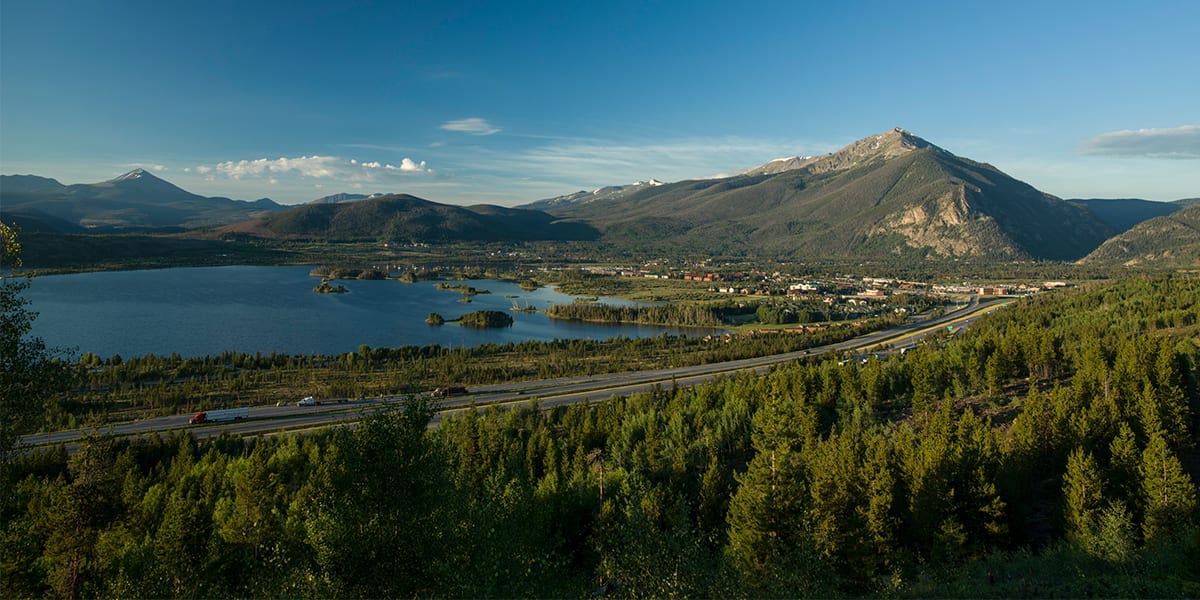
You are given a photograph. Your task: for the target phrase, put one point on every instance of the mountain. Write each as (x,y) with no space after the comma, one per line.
(133,201)
(1123,213)
(584,197)
(1168,241)
(405,218)
(892,194)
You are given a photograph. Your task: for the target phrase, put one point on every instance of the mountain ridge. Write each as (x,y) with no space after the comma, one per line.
(1122,214)
(1172,240)
(884,195)
(409,219)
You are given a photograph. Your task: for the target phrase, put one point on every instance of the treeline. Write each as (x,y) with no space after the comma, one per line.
(673,314)
(1047,451)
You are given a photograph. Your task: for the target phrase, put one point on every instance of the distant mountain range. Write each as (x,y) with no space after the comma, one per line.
(892,194)
(887,195)
(584,197)
(134,201)
(405,218)
(139,201)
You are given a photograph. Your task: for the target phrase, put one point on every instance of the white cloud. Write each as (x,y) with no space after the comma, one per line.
(473,126)
(308,166)
(337,172)
(1181,142)
(409,166)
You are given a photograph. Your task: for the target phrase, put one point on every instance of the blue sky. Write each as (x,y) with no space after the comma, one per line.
(511,102)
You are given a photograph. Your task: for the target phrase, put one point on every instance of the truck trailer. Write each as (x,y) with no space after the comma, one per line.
(213,416)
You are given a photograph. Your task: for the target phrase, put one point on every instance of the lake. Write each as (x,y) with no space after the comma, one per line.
(208,310)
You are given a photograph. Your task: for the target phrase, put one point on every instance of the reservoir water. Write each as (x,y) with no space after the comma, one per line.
(208,310)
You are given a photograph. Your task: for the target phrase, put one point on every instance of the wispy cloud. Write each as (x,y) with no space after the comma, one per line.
(407,165)
(473,126)
(153,167)
(584,162)
(1181,142)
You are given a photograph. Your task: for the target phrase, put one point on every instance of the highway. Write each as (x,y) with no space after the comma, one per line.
(549,392)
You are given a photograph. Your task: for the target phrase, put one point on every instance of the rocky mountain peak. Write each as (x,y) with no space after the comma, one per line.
(132,175)
(889,144)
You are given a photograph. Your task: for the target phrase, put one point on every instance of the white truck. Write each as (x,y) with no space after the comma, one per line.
(312,401)
(213,416)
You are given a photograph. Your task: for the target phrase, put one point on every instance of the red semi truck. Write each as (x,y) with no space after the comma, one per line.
(213,416)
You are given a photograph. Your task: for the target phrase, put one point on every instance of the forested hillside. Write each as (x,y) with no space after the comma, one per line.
(1050,450)
(405,218)
(1169,241)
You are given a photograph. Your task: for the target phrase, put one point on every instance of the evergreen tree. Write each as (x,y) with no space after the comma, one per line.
(1083,496)
(766,512)
(1168,494)
(1124,460)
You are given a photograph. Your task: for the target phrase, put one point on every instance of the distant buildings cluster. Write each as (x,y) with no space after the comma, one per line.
(841,288)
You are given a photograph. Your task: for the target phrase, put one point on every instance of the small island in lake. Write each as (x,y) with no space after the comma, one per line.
(347,273)
(325,288)
(485,318)
(435,319)
(466,290)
